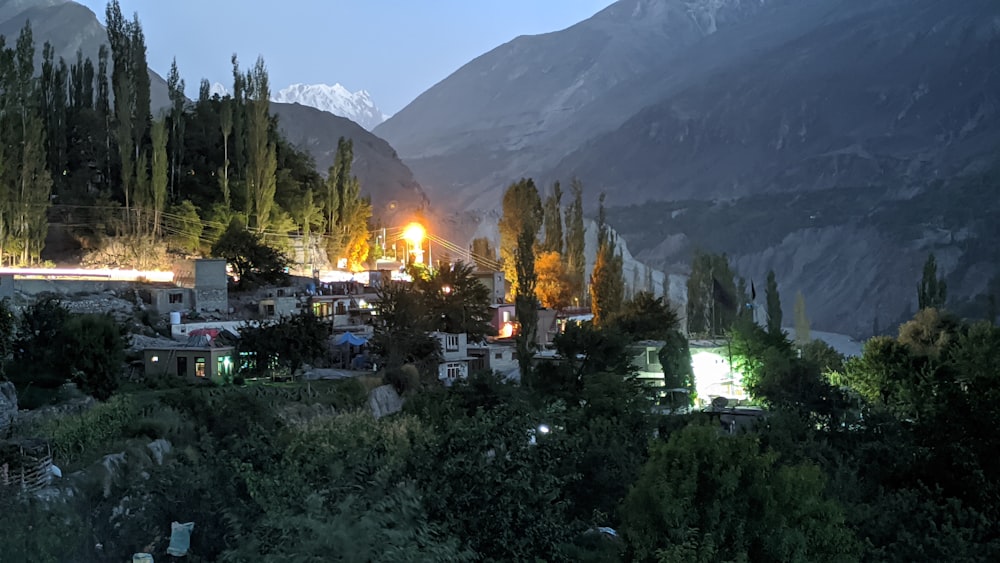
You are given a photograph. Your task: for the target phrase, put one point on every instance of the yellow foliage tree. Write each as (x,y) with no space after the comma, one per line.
(554,286)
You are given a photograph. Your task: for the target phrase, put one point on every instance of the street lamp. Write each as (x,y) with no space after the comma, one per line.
(414,234)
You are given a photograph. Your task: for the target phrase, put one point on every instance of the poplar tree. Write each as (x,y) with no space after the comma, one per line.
(607,287)
(773,305)
(932,291)
(347,213)
(522,212)
(802,336)
(175,91)
(239,119)
(525,302)
(553,221)
(226,124)
(263,163)
(124,92)
(158,173)
(575,239)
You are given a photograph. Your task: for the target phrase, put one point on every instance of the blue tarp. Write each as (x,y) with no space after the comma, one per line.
(350,338)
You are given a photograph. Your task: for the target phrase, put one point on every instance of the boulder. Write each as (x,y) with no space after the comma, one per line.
(8,407)
(384,401)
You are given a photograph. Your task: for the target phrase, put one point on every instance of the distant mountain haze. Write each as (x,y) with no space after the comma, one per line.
(835,141)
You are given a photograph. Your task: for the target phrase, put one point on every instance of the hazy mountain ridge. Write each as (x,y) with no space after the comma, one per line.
(725,101)
(356,106)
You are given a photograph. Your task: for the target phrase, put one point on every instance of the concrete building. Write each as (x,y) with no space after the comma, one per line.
(209,362)
(495,282)
(277,305)
(211,285)
(455,356)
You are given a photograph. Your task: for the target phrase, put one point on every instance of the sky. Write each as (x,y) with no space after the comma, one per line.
(394,49)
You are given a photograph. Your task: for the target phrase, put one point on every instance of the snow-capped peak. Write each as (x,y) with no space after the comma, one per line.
(218,88)
(356,106)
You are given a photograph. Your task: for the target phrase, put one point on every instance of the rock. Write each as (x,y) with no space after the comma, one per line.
(384,401)
(8,407)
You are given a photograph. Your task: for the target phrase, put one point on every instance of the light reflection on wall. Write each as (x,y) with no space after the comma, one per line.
(89,274)
(714,378)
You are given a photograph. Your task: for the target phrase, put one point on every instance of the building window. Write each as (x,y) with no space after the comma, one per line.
(269,310)
(225,366)
(498,356)
(451,342)
(199,367)
(154,359)
(176,298)
(341,308)
(652,357)
(454,371)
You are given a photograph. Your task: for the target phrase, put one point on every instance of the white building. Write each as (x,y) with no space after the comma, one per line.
(455,356)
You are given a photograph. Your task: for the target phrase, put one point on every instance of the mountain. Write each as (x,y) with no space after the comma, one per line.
(834,141)
(218,89)
(383,176)
(356,106)
(69,27)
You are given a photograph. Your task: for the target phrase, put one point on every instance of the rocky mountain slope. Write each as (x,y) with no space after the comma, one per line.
(383,176)
(834,141)
(69,27)
(356,106)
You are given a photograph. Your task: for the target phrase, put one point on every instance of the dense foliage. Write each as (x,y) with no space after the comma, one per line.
(81,145)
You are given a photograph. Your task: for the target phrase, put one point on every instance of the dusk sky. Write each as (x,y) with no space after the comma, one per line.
(395,49)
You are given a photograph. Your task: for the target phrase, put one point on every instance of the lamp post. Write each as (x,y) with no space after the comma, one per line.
(414,234)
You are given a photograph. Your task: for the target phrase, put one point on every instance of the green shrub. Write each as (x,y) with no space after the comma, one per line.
(74,437)
(404,379)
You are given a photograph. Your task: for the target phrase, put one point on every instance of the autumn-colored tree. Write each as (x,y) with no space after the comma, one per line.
(522,213)
(553,288)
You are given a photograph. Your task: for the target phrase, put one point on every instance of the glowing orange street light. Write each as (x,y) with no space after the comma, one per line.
(414,234)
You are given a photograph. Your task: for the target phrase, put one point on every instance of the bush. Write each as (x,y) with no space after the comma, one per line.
(94,430)
(404,379)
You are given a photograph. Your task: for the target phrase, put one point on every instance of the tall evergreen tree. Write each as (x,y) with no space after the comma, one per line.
(175,91)
(158,173)
(932,291)
(239,119)
(607,286)
(261,180)
(713,298)
(226,124)
(483,254)
(553,221)
(802,336)
(525,303)
(347,213)
(773,305)
(522,211)
(575,240)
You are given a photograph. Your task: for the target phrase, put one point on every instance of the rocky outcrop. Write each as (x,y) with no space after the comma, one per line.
(8,407)
(384,401)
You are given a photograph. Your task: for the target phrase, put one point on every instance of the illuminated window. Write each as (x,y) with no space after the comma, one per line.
(225,366)
(199,367)
(154,359)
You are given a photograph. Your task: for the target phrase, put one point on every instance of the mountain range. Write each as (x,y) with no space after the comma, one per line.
(356,106)
(835,142)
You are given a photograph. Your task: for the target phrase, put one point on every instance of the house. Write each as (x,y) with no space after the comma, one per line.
(205,361)
(277,305)
(495,283)
(455,356)
(503,321)
(199,285)
(714,375)
(344,310)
